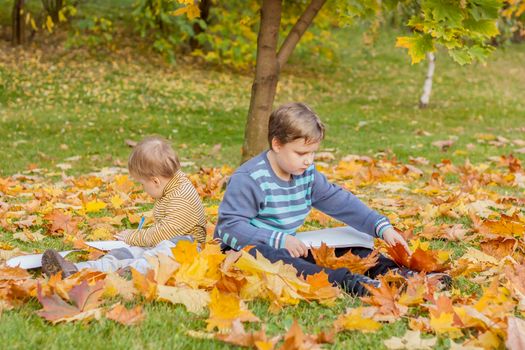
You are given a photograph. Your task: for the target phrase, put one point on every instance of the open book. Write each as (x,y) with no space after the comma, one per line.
(337,237)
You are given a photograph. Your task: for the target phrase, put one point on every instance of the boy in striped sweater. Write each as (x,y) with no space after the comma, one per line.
(269,197)
(178,214)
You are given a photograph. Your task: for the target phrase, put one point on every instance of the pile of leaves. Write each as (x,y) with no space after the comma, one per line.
(466,220)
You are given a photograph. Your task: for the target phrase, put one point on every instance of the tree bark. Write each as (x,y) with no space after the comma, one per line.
(17,23)
(298,30)
(204,7)
(267,68)
(265,82)
(427,86)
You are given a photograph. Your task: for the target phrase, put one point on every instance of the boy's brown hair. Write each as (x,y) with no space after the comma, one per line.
(152,157)
(293,121)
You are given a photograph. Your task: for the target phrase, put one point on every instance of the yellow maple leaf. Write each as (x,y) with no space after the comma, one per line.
(123,183)
(443,325)
(195,300)
(198,269)
(225,308)
(101,234)
(94,206)
(117,201)
(185,252)
(354,320)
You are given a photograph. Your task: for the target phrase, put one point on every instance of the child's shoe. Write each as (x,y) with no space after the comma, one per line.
(354,284)
(53,263)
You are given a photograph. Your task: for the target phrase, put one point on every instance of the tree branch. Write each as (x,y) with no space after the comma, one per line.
(298,30)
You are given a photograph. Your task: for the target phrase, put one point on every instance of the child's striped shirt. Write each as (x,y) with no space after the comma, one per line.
(178,212)
(259,207)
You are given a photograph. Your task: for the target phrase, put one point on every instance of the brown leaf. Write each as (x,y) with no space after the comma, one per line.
(238,336)
(295,339)
(85,301)
(444,144)
(127,317)
(131,143)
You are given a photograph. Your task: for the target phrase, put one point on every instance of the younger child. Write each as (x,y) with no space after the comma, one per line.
(269,197)
(178,213)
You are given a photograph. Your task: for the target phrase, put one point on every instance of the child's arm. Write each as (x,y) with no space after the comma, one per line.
(346,207)
(182,216)
(240,204)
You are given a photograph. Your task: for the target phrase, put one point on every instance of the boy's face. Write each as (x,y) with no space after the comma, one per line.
(153,186)
(294,157)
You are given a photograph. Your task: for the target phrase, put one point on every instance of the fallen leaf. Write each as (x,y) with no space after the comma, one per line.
(411,340)
(127,317)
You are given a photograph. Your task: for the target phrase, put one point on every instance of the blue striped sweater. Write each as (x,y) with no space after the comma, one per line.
(259,207)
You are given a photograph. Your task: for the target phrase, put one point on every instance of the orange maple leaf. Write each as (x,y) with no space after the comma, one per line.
(420,260)
(499,246)
(325,256)
(296,339)
(386,298)
(62,223)
(505,226)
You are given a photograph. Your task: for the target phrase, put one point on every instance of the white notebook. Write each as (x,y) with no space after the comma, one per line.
(337,237)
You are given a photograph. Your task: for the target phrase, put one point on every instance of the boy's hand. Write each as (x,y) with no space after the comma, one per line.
(123,235)
(295,246)
(391,237)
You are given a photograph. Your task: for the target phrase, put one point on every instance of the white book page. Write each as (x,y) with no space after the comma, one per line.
(337,237)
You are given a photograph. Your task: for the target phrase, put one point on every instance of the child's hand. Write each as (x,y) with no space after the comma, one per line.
(391,237)
(295,246)
(123,235)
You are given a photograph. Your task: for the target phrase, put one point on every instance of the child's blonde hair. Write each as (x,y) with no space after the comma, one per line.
(151,157)
(293,121)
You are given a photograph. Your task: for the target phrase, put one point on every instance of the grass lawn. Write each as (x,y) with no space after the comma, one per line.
(56,107)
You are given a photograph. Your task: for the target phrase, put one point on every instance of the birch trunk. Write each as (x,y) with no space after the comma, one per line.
(427,86)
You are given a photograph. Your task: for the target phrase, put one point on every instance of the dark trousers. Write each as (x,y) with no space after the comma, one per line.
(306,265)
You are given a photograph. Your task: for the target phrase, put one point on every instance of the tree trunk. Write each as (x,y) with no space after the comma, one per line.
(427,86)
(265,83)
(52,8)
(204,7)
(267,69)
(17,23)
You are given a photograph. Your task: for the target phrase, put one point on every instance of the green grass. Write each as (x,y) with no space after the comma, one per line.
(56,108)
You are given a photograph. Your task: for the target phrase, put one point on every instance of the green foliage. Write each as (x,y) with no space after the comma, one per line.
(462,27)
(230,37)
(160,21)
(91,32)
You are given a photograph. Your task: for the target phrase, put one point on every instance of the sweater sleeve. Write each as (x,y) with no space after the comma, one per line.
(179,221)
(346,207)
(241,203)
